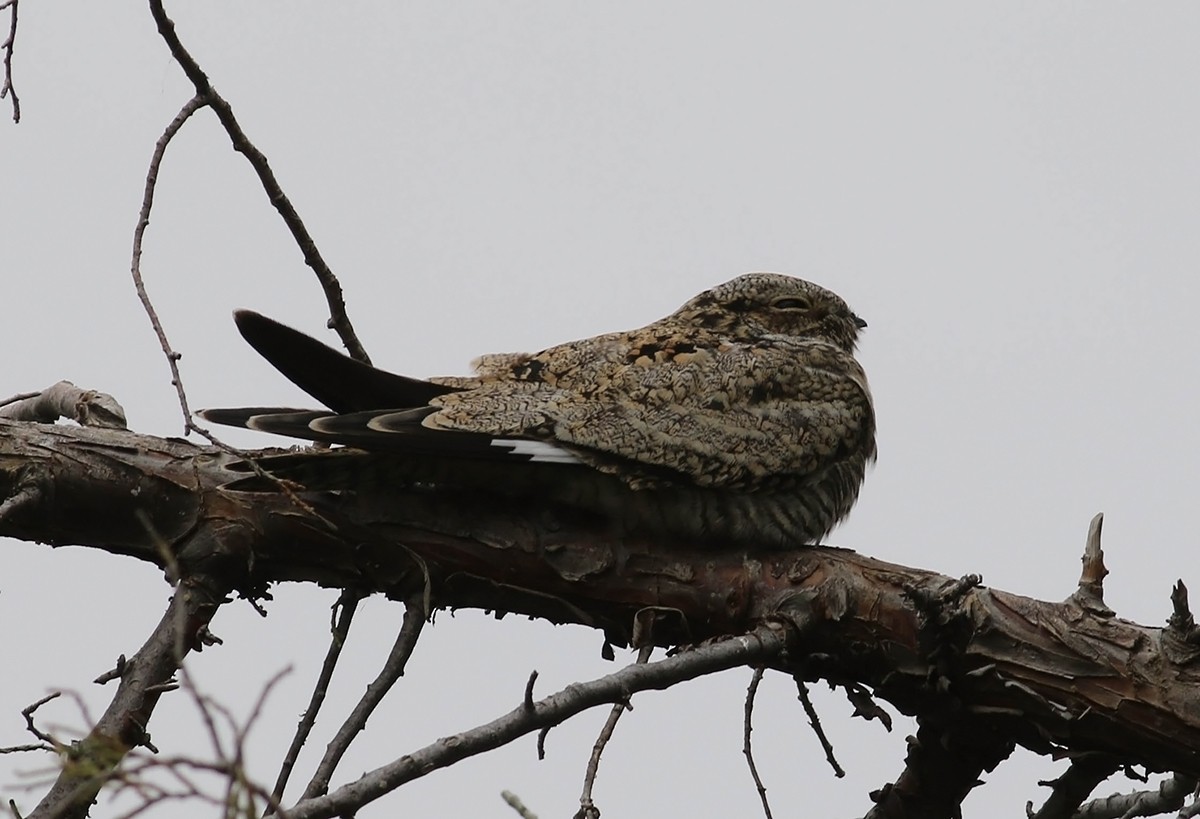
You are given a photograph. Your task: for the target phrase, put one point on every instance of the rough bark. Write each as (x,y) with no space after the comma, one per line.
(1053,677)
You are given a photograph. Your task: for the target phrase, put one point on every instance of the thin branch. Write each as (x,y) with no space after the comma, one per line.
(533,675)
(587,808)
(759,646)
(516,804)
(339,320)
(815,722)
(347,604)
(393,669)
(10,42)
(160,148)
(747,750)
(28,711)
(20,749)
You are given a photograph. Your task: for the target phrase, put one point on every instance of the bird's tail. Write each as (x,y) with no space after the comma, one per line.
(336,380)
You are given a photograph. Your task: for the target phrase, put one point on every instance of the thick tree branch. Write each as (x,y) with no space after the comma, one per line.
(944,762)
(1075,785)
(1050,676)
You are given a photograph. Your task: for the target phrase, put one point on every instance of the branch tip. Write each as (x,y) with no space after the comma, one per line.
(528,703)
(815,722)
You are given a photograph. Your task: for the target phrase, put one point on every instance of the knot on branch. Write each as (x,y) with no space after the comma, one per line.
(1181,638)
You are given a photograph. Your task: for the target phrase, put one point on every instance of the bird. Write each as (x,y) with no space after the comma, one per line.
(742,418)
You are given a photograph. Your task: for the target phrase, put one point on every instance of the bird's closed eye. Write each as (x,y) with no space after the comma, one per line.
(791,303)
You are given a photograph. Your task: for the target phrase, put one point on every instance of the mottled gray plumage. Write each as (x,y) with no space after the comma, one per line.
(742,417)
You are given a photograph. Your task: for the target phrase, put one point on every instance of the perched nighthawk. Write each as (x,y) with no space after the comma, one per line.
(741,418)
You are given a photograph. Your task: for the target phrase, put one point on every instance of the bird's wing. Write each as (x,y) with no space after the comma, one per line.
(357,395)
(729,415)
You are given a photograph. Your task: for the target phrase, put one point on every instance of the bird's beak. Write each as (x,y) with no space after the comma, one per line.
(859,323)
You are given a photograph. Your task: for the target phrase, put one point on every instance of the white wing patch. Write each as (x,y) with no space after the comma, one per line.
(539,451)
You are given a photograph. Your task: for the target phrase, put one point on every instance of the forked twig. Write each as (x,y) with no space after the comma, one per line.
(393,669)
(587,808)
(339,320)
(347,604)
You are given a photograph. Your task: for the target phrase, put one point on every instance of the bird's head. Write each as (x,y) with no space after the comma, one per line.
(757,304)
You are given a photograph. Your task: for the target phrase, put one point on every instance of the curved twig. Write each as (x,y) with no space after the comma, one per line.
(338,320)
(135,268)
(747,749)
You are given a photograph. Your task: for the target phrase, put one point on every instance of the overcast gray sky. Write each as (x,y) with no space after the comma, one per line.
(1008,193)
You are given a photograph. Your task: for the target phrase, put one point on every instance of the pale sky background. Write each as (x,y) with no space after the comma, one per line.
(1008,193)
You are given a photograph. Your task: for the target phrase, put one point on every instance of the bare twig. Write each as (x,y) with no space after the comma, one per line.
(516,804)
(747,750)
(20,749)
(533,675)
(1075,785)
(587,808)
(113,673)
(28,712)
(815,722)
(160,148)
(339,320)
(346,604)
(393,669)
(758,646)
(239,795)
(7,88)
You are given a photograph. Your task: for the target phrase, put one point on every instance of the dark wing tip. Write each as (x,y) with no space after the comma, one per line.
(333,378)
